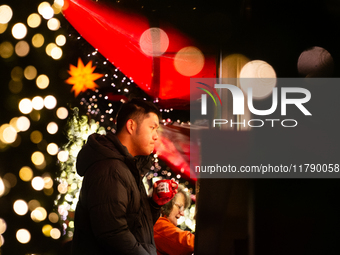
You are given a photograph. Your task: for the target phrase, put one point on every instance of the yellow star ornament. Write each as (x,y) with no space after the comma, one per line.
(82,77)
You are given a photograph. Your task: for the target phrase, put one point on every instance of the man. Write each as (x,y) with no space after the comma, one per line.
(114,214)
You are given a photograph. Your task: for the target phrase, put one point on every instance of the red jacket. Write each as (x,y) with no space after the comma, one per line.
(172,240)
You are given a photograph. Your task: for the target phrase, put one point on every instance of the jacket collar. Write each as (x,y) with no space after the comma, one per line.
(138,165)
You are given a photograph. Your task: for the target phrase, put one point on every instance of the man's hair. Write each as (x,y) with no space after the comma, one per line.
(167,208)
(134,109)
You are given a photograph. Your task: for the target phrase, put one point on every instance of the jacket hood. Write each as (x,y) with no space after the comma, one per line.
(101,147)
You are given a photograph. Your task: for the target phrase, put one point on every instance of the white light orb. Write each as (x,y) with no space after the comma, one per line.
(23,123)
(6,14)
(260,76)
(55,233)
(50,102)
(37,103)
(60,40)
(20,207)
(19,31)
(62,113)
(154,42)
(25,106)
(52,128)
(23,236)
(45,10)
(52,149)
(42,81)
(38,183)
(63,156)
(3,226)
(53,24)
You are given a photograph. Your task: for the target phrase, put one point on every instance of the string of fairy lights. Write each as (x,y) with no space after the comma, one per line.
(36,124)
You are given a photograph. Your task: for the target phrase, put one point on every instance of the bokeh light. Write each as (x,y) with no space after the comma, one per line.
(32,204)
(26,174)
(46,229)
(50,102)
(37,103)
(264,78)
(154,42)
(48,192)
(34,20)
(3,27)
(23,236)
(38,183)
(56,8)
(15,86)
(11,179)
(6,14)
(52,149)
(30,72)
(62,113)
(13,123)
(48,181)
(45,10)
(3,226)
(6,49)
(35,115)
(62,188)
(17,73)
(25,105)
(42,81)
(41,166)
(53,24)
(2,187)
(59,3)
(52,128)
(53,217)
(36,137)
(315,62)
(49,48)
(23,123)
(38,214)
(37,158)
(55,233)
(38,40)
(189,61)
(232,65)
(63,156)
(22,49)
(19,31)
(8,134)
(56,53)
(20,207)
(60,40)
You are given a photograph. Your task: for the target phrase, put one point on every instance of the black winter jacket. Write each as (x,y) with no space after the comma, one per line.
(114,214)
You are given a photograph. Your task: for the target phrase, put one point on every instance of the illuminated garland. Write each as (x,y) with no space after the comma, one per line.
(78,130)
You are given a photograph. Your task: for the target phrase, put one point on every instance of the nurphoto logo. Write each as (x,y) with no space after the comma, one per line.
(239,103)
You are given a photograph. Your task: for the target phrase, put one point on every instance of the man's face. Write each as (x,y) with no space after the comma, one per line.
(145,136)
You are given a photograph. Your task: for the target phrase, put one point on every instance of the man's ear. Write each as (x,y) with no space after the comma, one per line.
(130,126)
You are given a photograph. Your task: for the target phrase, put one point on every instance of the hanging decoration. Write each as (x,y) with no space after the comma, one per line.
(160,60)
(82,77)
